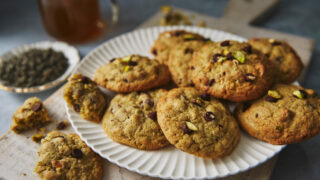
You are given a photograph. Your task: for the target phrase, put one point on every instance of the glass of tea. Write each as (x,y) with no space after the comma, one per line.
(75,21)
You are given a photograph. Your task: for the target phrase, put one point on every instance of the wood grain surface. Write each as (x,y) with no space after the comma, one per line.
(18,154)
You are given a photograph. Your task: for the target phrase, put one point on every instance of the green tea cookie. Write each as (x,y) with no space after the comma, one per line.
(287,63)
(231,70)
(32,114)
(66,156)
(286,114)
(85,97)
(132,73)
(197,124)
(170,39)
(179,62)
(131,119)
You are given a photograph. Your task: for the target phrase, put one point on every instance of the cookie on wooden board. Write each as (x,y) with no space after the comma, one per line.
(66,156)
(32,114)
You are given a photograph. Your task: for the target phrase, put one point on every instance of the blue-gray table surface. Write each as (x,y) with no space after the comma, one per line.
(20,23)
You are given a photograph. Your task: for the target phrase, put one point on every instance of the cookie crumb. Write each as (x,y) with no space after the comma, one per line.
(23,174)
(41,130)
(62,125)
(172,17)
(37,137)
(202,24)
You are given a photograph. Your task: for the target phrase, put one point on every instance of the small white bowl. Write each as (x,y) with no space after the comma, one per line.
(70,52)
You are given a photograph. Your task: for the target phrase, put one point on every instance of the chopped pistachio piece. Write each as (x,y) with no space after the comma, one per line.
(191,126)
(225,52)
(188,36)
(126,68)
(238,55)
(272,40)
(299,94)
(126,59)
(274,94)
(221,59)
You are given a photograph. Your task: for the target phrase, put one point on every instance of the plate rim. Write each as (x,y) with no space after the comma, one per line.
(161,29)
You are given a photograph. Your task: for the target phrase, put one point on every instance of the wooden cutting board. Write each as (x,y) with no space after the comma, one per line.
(18,154)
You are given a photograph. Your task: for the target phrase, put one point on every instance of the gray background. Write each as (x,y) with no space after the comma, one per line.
(20,23)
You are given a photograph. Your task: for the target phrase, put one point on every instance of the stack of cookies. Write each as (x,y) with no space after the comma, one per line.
(194,116)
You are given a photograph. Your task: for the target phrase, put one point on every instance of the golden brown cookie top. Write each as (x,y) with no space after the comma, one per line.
(286,114)
(131,119)
(286,61)
(66,156)
(231,70)
(85,97)
(132,73)
(169,39)
(197,123)
(179,62)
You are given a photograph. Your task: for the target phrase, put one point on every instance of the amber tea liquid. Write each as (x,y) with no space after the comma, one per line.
(73,21)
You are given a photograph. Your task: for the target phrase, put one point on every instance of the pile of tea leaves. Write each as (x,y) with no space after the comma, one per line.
(32,68)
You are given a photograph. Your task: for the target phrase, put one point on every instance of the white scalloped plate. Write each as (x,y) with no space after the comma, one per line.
(169,163)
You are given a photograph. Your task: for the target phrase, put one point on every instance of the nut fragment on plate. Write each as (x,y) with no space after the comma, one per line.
(31,115)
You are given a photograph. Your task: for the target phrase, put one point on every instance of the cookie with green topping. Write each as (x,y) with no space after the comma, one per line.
(286,114)
(131,119)
(231,70)
(170,39)
(197,123)
(287,63)
(132,73)
(66,156)
(84,96)
(179,62)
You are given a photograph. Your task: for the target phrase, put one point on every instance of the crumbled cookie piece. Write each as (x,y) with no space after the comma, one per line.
(85,97)
(31,115)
